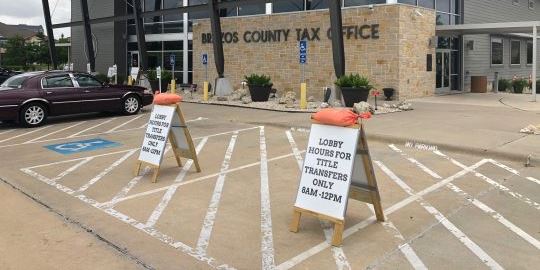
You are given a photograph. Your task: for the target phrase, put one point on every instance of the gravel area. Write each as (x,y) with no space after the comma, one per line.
(271,104)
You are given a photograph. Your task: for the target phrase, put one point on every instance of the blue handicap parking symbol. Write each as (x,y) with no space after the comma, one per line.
(81,146)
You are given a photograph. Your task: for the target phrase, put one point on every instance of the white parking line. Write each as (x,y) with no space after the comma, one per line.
(72,168)
(473,247)
(267,238)
(84,135)
(54,132)
(405,248)
(26,133)
(339,255)
(202,178)
(7,131)
(486,209)
(106,171)
(92,127)
(210,217)
(490,181)
(372,220)
(212,262)
(125,123)
(125,190)
(172,189)
(496,163)
(416,162)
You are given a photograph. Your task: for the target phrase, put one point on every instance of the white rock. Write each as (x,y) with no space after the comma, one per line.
(246,100)
(362,107)
(324,105)
(311,99)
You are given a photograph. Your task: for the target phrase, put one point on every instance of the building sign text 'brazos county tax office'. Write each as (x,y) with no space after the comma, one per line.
(366,31)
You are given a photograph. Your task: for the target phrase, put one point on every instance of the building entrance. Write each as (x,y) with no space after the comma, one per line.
(442,66)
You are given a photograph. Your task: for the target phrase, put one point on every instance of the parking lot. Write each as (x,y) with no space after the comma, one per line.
(444,210)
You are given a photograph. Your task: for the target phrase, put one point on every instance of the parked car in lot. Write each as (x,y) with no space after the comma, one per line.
(29,98)
(6,73)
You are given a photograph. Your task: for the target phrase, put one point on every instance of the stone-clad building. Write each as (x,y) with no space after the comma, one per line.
(393,42)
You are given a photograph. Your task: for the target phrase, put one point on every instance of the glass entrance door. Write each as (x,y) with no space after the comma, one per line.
(134,59)
(442,82)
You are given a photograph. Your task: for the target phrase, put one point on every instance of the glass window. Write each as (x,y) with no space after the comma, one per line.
(410,2)
(427,3)
(16,81)
(168,4)
(154,59)
(515,52)
(153,46)
(87,81)
(173,45)
(443,42)
(529,53)
(349,3)
(178,61)
(317,4)
(57,81)
(173,27)
(287,6)
(252,9)
(443,19)
(443,5)
(228,12)
(497,51)
(151,5)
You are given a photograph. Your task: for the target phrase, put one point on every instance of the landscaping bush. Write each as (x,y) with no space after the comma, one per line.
(354,81)
(519,85)
(259,80)
(504,85)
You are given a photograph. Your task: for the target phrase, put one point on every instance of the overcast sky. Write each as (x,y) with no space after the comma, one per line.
(31,12)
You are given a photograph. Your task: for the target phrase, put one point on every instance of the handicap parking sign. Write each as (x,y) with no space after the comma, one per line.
(204,59)
(81,146)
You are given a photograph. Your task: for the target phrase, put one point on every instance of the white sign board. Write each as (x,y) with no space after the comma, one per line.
(158,72)
(326,173)
(155,137)
(111,72)
(88,68)
(134,72)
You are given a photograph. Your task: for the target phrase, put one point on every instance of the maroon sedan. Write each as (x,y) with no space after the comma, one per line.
(30,98)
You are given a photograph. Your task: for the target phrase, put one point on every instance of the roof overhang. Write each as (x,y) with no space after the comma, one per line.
(487,28)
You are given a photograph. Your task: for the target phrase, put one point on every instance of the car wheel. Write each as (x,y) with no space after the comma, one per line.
(131,105)
(33,115)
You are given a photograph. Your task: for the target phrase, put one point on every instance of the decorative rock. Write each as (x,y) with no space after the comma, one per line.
(238,94)
(311,99)
(312,105)
(289,104)
(282,100)
(363,107)
(324,105)
(337,104)
(246,100)
(222,98)
(290,95)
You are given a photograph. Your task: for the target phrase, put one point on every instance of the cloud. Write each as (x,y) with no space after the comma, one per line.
(31,12)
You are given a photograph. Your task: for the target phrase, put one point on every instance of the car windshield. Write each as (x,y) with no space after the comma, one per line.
(16,81)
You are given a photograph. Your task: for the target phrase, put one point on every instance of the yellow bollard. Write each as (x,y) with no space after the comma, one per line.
(130,80)
(205,91)
(173,86)
(303,98)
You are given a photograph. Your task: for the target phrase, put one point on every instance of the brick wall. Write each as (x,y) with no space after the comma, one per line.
(397,58)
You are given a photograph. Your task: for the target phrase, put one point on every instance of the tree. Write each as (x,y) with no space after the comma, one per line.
(16,52)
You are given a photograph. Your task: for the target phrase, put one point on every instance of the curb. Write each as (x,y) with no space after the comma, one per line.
(476,151)
(247,107)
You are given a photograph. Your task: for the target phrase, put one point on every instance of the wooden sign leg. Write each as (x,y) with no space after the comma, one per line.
(377,206)
(137,168)
(196,162)
(337,238)
(295,223)
(155,175)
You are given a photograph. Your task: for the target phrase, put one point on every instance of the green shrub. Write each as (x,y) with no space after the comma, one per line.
(355,81)
(259,80)
(519,85)
(166,76)
(504,85)
(152,75)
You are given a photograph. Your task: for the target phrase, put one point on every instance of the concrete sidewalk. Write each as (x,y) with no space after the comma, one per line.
(33,237)
(469,123)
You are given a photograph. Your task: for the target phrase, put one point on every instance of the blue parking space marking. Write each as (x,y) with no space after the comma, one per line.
(81,146)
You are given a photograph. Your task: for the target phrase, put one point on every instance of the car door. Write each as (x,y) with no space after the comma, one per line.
(96,96)
(61,93)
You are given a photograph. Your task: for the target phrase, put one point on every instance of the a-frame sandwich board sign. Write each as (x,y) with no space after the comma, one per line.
(337,166)
(166,123)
